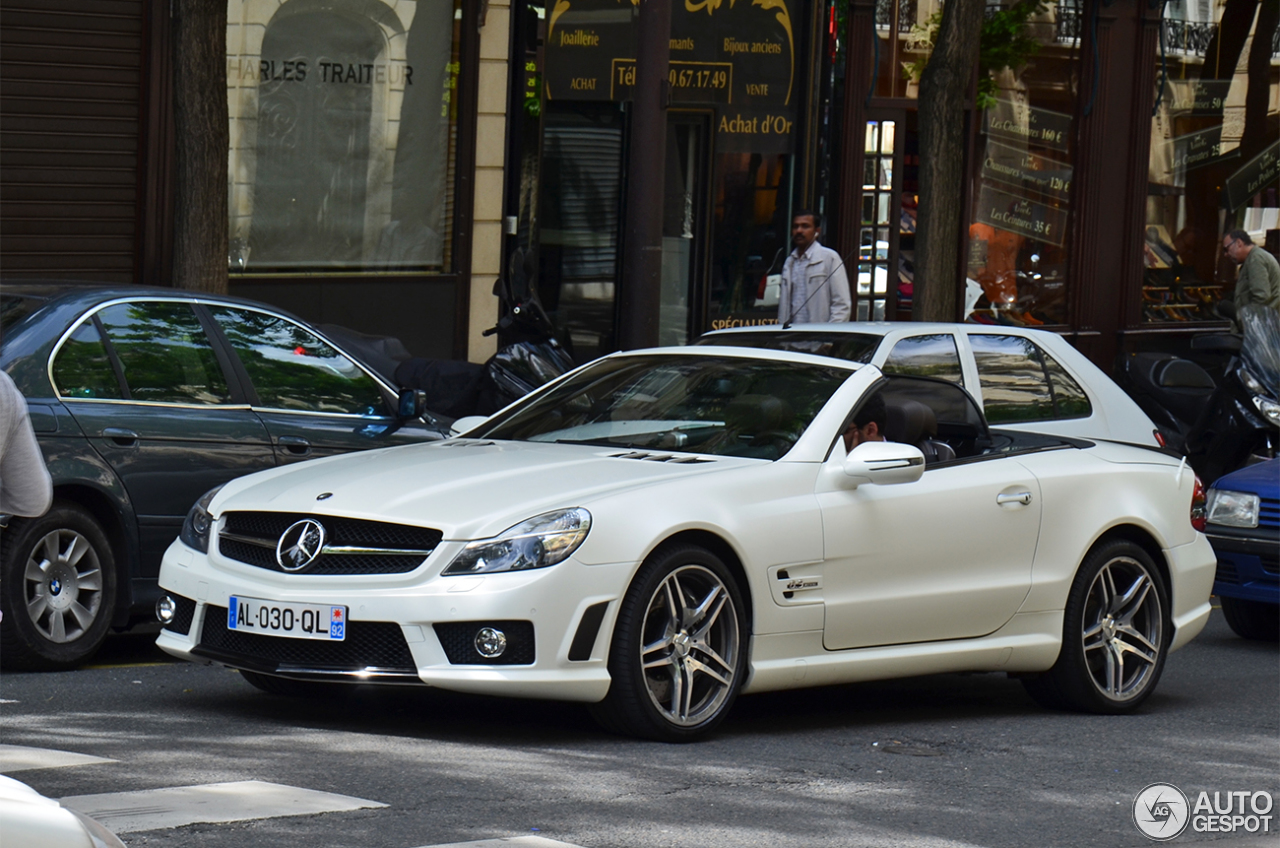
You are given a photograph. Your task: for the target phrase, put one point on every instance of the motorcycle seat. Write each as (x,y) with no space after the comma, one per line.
(1182,374)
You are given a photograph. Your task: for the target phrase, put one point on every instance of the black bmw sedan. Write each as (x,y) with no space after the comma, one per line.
(143,400)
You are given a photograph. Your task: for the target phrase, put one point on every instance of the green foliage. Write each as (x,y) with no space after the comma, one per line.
(1004,43)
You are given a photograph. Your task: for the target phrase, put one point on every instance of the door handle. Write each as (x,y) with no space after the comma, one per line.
(1023,498)
(295,445)
(123,437)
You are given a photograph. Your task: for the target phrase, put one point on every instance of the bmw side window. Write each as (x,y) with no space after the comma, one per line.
(164,353)
(83,369)
(1014,384)
(1069,399)
(926,356)
(293,369)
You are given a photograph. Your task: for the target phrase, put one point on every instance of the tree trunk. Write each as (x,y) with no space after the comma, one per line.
(203,139)
(944,88)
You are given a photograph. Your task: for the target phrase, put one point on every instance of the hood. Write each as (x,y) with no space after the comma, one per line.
(466,488)
(1262,479)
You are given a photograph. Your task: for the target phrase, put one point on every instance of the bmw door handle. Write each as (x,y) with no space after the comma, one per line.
(295,445)
(121,436)
(1007,498)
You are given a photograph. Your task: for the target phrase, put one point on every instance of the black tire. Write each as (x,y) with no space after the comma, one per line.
(287,688)
(57,587)
(698,650)
(1252,619)
(1116,633)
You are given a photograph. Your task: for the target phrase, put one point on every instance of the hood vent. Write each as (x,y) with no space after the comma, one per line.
(682,459)
(467,443)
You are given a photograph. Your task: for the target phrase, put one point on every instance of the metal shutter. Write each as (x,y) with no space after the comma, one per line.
(70,103)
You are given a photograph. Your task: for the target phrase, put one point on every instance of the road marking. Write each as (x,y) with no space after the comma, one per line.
(21,758)
(518,841)
(153,809)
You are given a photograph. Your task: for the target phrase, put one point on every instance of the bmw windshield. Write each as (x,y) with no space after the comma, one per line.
(716,405)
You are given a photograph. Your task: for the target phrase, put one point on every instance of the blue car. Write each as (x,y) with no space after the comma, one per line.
(1243,525)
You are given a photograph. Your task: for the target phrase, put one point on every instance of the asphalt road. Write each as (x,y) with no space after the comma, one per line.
(943,762)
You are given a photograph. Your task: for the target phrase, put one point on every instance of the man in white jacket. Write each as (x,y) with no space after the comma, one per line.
(814,288)
(25,487)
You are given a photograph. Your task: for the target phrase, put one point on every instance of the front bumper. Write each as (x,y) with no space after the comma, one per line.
(1248,563)
(405,628)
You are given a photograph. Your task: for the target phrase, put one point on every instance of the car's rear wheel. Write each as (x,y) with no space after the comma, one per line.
(1252,619)
(679,648)
(58,584)
(287,688)
(1116,633)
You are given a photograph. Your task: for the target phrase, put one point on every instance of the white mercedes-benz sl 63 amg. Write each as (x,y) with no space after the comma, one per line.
(660,531)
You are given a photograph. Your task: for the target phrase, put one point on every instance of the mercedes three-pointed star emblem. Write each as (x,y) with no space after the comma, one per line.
(300,545)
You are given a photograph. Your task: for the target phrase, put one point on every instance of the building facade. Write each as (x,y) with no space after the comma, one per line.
(388,158)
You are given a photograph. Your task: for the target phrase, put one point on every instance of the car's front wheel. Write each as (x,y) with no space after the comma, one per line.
(1252,619)
(679,648)
(1116,634)
(58,584)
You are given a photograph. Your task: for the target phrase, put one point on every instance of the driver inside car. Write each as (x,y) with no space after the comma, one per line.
(868,423)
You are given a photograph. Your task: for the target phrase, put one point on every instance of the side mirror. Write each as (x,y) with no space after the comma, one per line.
(884,463)
(469,422)
(412,404)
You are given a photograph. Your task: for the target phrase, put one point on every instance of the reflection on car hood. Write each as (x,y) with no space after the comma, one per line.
(466,488)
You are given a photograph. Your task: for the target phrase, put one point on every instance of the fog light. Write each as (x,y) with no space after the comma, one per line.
(490,643)
(166,608)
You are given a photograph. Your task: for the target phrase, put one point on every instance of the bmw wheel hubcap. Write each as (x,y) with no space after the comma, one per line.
(689,653)
(1123,629)
(63,586)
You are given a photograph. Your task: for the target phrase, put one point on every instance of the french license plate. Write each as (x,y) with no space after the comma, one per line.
(294,621)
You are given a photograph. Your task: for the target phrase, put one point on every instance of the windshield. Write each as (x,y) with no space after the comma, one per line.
(1261,346)
(719,405)
(852,347)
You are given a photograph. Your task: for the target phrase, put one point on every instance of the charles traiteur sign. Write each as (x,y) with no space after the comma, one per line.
(738,56)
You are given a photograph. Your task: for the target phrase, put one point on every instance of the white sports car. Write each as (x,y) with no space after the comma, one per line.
(659,531)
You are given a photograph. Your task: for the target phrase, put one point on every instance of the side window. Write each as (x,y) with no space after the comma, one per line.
(82,369)
(1014,385)
(164,352)
(292,368)
(926,356)
(1069,399)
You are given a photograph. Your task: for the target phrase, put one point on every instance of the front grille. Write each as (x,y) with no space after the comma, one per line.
(183,613)
(1269,512)
(261,531)
(369,645)
(458,640)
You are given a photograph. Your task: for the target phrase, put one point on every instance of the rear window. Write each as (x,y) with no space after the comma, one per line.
(851,347)
(15,307)
(1020,382)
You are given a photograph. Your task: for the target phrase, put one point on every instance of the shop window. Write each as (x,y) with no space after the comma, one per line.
(343,118)
(164,353)
(1214,152)
(1018,230)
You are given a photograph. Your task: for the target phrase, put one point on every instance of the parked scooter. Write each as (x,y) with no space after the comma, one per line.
(1219,425)
(532,358)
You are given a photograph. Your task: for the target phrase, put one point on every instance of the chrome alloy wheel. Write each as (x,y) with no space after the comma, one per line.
(1123,629)
(689,645)
(63,585)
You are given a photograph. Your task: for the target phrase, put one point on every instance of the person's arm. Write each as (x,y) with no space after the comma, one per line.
(25,486)
(841,300)
(784,292)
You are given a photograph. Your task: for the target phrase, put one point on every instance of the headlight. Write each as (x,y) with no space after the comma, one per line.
(537,543)
(1269,409)
(1250,382)
(195,527)
(1233,509)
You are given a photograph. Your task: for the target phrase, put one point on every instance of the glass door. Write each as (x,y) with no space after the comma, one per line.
(684,221)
